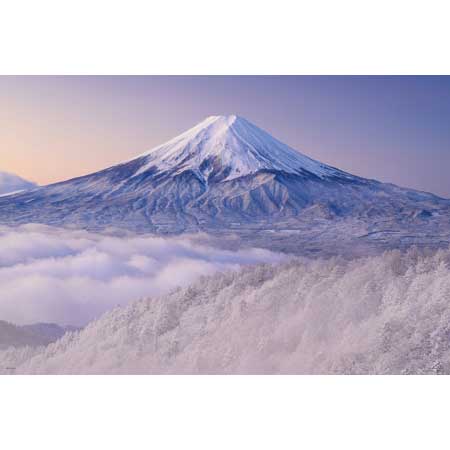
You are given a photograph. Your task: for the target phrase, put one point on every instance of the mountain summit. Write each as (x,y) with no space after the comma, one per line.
(229,147)
(226,174)
(10,183)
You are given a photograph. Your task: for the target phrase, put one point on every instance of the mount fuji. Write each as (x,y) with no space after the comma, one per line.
(226,174)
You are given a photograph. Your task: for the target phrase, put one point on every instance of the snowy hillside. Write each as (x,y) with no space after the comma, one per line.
(384,314)
(10,183)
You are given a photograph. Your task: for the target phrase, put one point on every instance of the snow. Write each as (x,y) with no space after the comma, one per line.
(13,184)
(12,193)
(241,146)
(384,314)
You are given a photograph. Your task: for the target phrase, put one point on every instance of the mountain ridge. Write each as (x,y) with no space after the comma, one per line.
(32,335)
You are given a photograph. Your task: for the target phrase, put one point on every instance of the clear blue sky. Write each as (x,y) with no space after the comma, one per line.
(394,129)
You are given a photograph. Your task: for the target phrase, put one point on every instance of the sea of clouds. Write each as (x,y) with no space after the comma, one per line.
(71,277)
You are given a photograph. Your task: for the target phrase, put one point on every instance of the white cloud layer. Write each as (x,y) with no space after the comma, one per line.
(71,277)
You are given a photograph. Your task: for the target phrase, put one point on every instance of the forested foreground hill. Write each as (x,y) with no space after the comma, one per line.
(374,315)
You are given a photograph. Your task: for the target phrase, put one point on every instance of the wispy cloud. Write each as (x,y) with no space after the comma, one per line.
(71,277)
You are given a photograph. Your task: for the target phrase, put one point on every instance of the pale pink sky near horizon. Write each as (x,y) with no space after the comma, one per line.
(390,128)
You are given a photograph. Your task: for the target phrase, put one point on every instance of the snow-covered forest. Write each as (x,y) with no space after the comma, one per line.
(379,314)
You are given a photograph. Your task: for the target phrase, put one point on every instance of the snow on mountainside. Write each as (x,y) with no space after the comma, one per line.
(226,175)
(233,145)
(387,314)
(10,183)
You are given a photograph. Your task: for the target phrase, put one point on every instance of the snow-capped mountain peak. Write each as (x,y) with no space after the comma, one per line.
(225,174)
(231,145)
(10,183)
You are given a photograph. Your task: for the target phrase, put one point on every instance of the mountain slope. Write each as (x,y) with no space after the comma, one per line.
(224,174)
(10,183)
